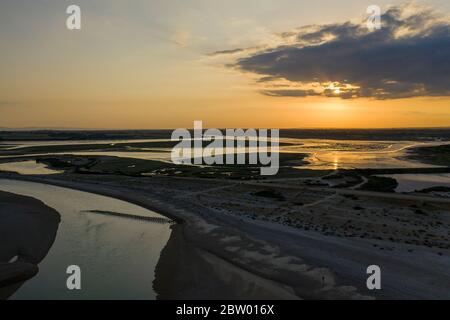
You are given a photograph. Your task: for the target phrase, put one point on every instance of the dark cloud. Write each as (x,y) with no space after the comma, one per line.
(235,51)
(268,79)
(289,93)
(408,57)
(232,51)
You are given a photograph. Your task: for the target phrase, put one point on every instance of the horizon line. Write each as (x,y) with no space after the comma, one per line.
(206,128)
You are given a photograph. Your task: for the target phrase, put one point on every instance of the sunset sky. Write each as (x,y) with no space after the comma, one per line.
(147,64)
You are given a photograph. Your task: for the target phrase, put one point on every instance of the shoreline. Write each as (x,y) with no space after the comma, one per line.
(179,241)
(28,230)
(193,235)
(221,256)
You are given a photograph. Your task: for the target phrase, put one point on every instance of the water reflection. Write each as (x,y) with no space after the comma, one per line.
(117,256)
(336,163)
(322,153)
(417,182)
(27,232)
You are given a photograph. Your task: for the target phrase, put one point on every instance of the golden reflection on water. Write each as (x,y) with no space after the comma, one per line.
(336,162)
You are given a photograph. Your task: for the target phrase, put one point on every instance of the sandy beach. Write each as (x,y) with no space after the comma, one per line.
(218,252)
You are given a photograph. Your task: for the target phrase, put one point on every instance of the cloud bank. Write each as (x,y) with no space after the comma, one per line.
(408,57)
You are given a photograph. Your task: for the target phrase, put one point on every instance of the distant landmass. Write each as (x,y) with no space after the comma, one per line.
(413,134)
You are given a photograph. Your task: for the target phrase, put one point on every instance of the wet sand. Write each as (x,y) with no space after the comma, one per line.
(219,252)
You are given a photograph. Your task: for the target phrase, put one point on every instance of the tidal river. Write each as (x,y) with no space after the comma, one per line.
(117,254)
